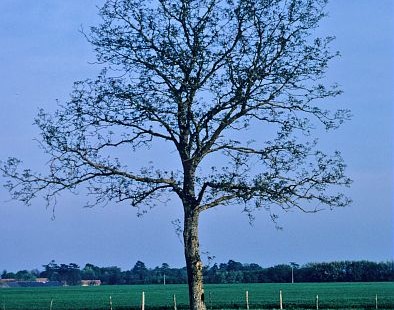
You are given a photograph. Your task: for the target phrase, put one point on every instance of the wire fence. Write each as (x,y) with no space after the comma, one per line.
(319,297)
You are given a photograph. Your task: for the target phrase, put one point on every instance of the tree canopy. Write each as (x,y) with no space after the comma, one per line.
(193,74)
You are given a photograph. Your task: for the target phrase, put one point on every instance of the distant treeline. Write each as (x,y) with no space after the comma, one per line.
(230,272)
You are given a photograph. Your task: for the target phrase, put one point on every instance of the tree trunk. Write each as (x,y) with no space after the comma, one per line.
(193,261)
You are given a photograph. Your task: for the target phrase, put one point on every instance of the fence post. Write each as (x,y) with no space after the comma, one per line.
(280,300)
(376,301)
(210,299)
(50,306)
(175,308)
(110,302)
(247,299)
(143,301)
(317,302)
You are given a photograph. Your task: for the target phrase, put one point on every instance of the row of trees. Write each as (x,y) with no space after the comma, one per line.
(230,272)
(343,271)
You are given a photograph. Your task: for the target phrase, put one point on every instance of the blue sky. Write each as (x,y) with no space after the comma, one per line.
(42,53)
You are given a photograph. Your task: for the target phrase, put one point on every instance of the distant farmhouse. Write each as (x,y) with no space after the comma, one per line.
(39,282)
(42,282)
(90,282)
(5,281)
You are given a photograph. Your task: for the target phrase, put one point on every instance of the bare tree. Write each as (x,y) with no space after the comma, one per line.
(200,76)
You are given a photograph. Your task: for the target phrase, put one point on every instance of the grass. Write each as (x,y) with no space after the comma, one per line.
(261,296)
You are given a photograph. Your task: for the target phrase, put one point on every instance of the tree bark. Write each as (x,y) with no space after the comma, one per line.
(193,261)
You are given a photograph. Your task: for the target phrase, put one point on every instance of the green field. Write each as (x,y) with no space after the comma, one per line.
(261,296)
